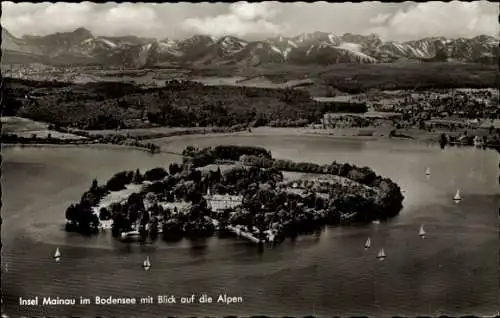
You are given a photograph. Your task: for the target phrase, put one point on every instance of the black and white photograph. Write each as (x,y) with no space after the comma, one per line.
(250,159)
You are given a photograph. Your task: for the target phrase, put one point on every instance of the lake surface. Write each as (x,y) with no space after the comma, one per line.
(453,271)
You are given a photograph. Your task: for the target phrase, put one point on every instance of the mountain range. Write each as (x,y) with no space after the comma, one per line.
(81,47)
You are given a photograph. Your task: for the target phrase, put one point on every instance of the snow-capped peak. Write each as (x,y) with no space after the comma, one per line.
(275,49)
(355,50)
(332,38)
(351,46)
(107,42)
(313,48)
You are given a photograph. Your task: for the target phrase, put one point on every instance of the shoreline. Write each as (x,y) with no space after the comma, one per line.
(376,134)
(380,134)
(382,195)
(104,146)
(258,132)
(89,145)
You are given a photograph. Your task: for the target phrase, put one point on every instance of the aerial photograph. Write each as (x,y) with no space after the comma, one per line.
(250,159)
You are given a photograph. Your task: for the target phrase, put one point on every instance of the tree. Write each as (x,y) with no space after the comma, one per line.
(94,187)
(71,213)
(145,217)
(174,169)
(166,107)
(143,233)
(119,180)
(137,177)
(104,214)
(94,222)
(153,233)
(195,175)
(155,174)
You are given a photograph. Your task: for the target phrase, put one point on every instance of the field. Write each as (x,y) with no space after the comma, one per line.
(17,125)
(24,127)
(361,77)
(401,75)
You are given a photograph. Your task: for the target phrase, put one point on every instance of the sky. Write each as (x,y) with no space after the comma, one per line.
(392,21)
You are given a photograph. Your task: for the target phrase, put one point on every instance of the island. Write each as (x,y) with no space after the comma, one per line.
(233,190)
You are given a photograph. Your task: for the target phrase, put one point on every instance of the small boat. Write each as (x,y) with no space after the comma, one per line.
(421,232)
(457,196)
(57,255)
(428,172)
(381,255)
(147,264)
(368,243)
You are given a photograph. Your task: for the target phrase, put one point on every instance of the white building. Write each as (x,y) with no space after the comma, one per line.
(219,203)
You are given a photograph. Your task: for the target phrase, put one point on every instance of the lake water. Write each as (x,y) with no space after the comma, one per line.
(453,271)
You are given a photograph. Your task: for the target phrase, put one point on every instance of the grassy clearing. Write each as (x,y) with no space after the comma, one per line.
(24,127)
(19,125)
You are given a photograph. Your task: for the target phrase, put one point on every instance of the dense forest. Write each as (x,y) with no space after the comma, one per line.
(110,105)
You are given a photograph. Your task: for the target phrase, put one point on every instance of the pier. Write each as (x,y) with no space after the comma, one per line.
(238,231)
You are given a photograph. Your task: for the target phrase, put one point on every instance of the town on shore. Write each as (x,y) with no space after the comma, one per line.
(133,115)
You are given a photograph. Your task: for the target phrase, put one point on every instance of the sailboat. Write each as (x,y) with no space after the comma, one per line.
(368,243)
(421,232)
(381,255)
(57,255)
(457,196)
(147,264)
(428,172)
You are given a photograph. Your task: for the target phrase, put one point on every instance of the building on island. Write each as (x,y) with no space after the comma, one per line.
(220,203)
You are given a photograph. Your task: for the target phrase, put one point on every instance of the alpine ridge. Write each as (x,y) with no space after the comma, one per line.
(81,47)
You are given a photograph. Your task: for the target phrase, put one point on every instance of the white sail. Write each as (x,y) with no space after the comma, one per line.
(381,254)
(428,172)
(57,254)
(421,232)
(368,243)
(147,263)
(457,196)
